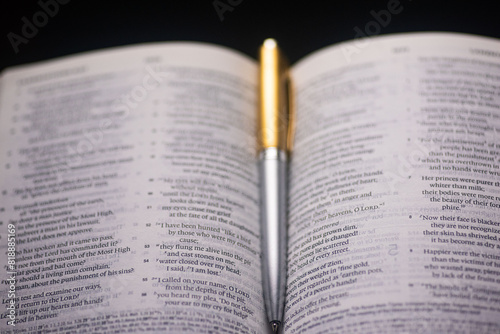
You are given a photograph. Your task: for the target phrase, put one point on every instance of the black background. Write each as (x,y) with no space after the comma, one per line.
(300,27)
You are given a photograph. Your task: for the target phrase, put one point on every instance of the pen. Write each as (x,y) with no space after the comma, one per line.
(273,159)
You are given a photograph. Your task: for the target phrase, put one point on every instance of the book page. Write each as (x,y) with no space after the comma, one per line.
(129,193)
(394,188)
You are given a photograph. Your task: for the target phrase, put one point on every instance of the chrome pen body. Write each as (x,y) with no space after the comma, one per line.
(273,164)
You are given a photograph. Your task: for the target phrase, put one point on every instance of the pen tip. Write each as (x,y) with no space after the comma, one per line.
(275,326)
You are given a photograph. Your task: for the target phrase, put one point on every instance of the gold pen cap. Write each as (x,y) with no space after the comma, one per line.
(274,112)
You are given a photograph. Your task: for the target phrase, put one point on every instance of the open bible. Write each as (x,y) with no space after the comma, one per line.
(129,190)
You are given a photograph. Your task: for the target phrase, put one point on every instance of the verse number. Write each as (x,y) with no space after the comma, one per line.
(401,49)
(393,250)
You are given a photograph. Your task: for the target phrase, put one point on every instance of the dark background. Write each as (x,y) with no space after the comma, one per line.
(300,27)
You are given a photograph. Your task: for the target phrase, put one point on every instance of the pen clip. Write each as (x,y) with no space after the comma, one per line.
(274,99)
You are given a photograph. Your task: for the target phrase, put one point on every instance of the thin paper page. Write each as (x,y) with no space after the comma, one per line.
(129,177)
(394,201)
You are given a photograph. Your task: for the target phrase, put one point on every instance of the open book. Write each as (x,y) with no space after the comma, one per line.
(129,190)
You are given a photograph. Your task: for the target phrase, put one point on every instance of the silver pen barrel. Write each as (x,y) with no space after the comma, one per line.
(273,196)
